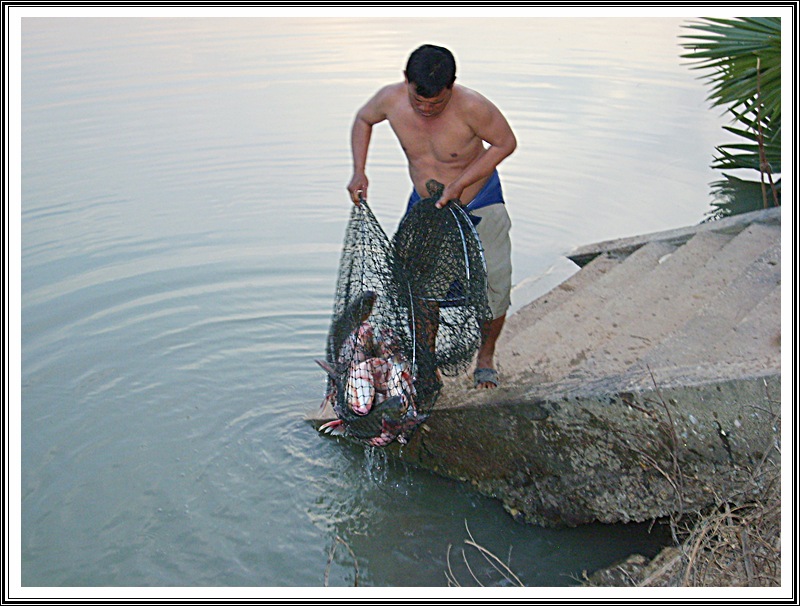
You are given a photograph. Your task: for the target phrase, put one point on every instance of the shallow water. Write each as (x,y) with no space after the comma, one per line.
(182,212)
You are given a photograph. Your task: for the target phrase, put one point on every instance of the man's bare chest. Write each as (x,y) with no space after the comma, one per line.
(441,141)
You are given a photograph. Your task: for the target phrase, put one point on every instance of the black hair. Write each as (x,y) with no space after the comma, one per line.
(432,69)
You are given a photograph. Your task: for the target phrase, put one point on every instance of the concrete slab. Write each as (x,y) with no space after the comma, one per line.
(661,308)
(537,308)
(582,255)
(598,453)
(703,337)
(562,338)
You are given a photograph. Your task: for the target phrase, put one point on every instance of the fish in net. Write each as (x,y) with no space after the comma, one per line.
(407,310)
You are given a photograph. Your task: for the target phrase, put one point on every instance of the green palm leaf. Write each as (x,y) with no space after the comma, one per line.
(741,61)
(733,52)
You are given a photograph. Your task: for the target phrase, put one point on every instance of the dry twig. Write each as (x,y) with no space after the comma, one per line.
(496,563)
(337,540)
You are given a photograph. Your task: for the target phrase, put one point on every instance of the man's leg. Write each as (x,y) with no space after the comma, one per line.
(493,231)
(485,358)
(426,324)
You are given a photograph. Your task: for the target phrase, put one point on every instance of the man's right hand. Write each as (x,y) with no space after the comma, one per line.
(358,188)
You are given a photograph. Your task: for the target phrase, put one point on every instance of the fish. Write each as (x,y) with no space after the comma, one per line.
(357,346)
(388,343)
(388,421)
(382,426)
(342,329)
(380,370)
(331,387)
(400,380)
(379,403)
(367,382)
(360,369)
(334,428)
(360,387)
(379,378)
(370,383)
(348,321)
(397,422)
(399,376)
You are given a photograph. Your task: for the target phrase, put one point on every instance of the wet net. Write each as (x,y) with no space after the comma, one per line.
(407,310)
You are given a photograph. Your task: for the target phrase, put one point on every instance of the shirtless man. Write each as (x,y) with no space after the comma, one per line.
(442,127)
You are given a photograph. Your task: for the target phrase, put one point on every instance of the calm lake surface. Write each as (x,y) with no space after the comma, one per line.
(182,213)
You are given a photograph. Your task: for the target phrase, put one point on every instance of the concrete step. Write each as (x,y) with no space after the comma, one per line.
(538,351)
(733,225)
(579,352)
(543,305)
(532,288)
(706,336)
(671,295)
(647,311)
(757,338)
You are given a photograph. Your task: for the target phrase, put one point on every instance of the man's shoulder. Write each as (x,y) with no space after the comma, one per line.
(393,102)
(475,107)
(391,91)
(470,97)
(381,105)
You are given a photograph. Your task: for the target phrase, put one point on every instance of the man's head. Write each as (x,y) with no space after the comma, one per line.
(431,69)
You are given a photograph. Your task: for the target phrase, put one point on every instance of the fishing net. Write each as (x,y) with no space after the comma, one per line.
(407,310)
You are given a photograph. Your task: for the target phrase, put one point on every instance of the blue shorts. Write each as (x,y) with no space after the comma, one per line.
(490,193)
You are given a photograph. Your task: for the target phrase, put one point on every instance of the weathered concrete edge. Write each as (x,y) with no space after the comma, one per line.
(641,453)
(625,246)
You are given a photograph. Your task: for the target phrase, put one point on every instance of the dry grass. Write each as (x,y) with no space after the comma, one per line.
(734,543)
(728,546)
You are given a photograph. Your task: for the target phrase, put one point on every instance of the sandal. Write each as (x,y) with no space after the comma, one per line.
(485,375)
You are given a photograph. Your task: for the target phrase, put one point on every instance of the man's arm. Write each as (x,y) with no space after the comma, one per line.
(491,126)
(360,135)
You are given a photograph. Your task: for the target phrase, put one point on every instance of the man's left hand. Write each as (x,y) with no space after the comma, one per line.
(450,193)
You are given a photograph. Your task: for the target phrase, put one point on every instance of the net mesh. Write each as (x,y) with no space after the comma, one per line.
(406,311)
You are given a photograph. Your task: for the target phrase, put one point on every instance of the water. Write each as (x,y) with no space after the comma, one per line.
(183,207)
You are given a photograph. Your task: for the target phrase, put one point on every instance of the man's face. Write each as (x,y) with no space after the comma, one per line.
(428,107)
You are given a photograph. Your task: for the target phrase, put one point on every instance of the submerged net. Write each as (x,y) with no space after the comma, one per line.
(406,311)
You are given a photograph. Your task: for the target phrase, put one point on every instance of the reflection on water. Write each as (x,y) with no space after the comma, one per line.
(734,196)
(183,208)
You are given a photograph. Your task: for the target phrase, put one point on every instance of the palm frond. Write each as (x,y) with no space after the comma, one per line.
(735,51)
(741,61)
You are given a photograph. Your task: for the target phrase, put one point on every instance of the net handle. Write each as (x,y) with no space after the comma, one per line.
(465,216)
(362,201)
